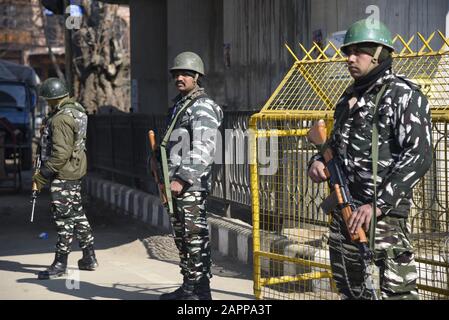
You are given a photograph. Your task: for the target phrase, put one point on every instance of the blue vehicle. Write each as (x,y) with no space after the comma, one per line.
(18,99)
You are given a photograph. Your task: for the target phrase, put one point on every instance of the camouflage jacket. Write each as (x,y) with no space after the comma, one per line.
(193,141)
(63,142)
(405,146)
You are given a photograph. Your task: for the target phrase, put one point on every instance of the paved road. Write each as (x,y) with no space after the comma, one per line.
(136,261)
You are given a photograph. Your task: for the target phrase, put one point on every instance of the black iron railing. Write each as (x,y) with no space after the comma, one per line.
(118,149)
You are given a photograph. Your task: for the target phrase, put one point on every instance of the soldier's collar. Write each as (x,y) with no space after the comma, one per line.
(194,93)
(63,102)
(379,82)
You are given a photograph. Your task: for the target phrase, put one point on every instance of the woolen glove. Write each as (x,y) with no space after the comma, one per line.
(39,180)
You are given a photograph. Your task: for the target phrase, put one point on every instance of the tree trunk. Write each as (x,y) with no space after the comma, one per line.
(101,61)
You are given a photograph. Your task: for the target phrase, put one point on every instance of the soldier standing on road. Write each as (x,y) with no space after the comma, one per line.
(64,163)
(404,156)
(194,119)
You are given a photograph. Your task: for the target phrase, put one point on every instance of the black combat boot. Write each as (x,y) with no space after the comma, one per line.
(178,294)
(58,267)
(202,290)
(88,261)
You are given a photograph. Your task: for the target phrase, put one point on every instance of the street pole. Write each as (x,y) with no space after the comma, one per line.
(68,49)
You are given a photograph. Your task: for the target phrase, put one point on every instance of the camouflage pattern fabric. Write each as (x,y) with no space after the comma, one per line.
(191,151)
(192,145)
(192,237)
(69,215)
(77,111)
(70,107)
(393,255)
(405,155)
(405,143)
(45,140)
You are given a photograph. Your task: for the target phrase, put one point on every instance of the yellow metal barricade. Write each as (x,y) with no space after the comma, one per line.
(291,258)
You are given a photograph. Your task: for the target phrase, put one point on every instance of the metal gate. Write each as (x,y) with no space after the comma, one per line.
(291,259)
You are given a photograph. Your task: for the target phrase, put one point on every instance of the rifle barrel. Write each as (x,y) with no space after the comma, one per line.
(32,210)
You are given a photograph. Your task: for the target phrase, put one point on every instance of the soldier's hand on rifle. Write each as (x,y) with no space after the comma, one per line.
(39,180)
(176,187)
(316,172)
(361,217)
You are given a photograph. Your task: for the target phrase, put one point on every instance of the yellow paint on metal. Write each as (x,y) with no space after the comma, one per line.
(426,44)
(281,85)
(290,232)
(306,263)
(443,292)
(292,53)
(301,277)
(282,133)
(445,47)
(431,262)
(406,44)
(256,210)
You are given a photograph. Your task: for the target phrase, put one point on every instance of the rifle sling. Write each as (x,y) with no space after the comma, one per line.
(163,146)
(375,158)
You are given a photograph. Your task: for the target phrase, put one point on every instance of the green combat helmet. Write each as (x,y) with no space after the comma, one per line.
(53,88)
(188,61)
(368,30)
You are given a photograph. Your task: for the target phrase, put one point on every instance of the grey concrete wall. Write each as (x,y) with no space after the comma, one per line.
(242,41)
(149,54)
(197,25)
(404,17)
(256,31)
(242,77)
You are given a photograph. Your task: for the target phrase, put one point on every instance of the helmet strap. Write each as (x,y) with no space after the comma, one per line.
(196,77)
(375,59)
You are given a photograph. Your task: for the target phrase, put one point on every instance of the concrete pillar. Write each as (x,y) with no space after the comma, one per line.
(197,25)
(149,74)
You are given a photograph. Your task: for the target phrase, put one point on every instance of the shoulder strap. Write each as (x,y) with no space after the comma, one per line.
(375,158)
(163,146)
(175,118)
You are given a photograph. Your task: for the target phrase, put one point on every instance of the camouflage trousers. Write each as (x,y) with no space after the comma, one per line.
(393,256)
(68,213)
(191,235)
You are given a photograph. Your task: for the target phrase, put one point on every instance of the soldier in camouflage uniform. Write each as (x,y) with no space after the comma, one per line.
(404,156)
(64,163)
(194,120)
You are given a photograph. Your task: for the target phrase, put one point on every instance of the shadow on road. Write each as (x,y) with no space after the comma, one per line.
(13,266)
(89,291)
(18,236)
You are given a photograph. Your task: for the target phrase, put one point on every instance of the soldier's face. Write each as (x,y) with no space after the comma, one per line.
(359,63)
(183,82)
(53,102)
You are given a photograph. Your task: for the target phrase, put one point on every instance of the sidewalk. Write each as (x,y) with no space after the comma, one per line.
(137,261)
(230,237)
